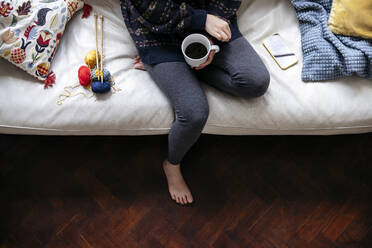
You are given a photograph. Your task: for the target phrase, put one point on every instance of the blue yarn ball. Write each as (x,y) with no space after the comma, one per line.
(106,75)
(98,87)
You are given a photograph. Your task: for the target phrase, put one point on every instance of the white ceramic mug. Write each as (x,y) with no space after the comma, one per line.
(192,38)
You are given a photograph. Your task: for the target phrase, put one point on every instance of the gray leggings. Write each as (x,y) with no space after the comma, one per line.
(236,69)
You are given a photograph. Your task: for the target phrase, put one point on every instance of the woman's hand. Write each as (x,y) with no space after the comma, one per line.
(218,28)
(138,64)
(209,60)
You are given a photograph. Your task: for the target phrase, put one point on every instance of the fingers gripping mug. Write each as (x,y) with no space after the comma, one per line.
(196,48)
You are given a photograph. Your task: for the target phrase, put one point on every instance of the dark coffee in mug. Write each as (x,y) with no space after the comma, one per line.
(196,50)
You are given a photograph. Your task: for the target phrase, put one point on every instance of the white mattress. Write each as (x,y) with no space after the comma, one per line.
(289,107)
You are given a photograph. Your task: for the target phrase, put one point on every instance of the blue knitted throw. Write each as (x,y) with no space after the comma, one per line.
(328,56)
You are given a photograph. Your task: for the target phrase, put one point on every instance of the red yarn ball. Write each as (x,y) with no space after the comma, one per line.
(84,75)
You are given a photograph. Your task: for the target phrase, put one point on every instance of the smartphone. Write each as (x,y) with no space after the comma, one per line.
(284,57)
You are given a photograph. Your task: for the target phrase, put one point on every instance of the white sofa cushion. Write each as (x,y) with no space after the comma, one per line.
(289,107)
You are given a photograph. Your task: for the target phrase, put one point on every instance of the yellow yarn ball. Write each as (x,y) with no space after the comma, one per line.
(90,59)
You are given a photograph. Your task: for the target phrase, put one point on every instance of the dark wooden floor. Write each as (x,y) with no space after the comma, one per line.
(250,191)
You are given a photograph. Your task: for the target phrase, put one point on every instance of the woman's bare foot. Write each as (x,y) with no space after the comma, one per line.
(138,64)
(176,185)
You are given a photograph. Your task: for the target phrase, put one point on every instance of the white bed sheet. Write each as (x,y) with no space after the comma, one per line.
(289,107)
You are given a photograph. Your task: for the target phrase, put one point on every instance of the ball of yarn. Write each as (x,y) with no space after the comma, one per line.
(106,75)
(98,87)
(90,59)
(84,75)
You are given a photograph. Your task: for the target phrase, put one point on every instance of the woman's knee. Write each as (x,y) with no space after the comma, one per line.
(194,116)
(250,84)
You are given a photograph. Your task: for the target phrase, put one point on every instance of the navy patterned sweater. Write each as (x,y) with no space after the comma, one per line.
(158,27)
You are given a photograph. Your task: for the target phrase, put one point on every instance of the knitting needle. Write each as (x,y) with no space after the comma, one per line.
(101,17)
(95,29)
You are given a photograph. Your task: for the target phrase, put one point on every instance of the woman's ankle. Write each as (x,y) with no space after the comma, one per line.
(169,163)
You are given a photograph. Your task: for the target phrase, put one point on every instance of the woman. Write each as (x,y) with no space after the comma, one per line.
(157,28)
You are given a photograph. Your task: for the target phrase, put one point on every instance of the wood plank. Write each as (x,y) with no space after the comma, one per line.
(254,191)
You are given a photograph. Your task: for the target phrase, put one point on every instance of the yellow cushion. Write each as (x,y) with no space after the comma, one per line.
(351,18)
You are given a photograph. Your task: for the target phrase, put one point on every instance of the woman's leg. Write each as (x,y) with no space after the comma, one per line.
(237,69)
(182,88)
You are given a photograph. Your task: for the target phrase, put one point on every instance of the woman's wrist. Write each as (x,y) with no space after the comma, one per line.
(198,19)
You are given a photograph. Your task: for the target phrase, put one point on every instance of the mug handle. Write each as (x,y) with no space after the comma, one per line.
(216,48)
